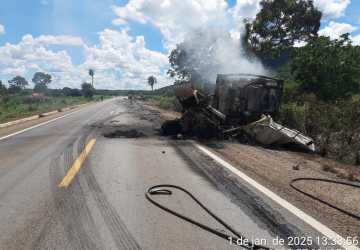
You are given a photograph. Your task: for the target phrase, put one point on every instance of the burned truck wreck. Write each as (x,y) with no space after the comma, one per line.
(242,106)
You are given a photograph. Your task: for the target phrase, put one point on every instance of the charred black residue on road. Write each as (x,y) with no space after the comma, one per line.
(146,123)
(132,133)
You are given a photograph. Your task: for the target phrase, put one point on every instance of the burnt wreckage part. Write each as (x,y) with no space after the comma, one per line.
(242,106)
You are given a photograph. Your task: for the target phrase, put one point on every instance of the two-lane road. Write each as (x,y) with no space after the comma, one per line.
(104,206)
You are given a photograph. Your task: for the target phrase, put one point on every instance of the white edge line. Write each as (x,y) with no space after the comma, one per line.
(38,125)
(294,210)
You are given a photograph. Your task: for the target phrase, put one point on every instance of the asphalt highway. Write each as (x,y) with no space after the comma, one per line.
(104,207)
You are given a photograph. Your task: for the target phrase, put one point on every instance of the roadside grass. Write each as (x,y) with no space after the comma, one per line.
(19,106)
(166,102)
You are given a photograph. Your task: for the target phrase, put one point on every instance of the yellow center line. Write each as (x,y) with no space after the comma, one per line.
(77,165)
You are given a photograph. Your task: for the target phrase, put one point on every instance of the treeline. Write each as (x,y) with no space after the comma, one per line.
(19,85)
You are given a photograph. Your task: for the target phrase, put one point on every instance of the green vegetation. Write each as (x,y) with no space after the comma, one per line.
(321,95)
(14,107)
(17,101)
(279,25)
(41,81)
(167,102)
(87,90)
(316,117)
(17,84)
(322,86)
(330,69)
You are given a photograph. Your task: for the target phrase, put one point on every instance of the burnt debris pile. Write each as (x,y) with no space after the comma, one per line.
(242,107)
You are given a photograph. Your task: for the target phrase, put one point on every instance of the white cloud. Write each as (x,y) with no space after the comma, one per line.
(356,40)
(172,18)
(119,61)
(128,57)
(2,29)
(32,54)
(332,8)
(60,40)
(334,30)
(245,9)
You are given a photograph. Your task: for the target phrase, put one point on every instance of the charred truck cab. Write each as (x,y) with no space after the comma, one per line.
(243,98)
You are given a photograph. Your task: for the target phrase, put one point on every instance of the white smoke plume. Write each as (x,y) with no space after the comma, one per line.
(202,26)
(211,51)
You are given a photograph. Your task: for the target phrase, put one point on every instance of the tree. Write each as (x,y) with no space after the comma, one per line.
(66,91)
(75,92)
(151,81)
(179,68)
(87,90)
(17,84)
(3,89)
(92,73)
(196,58)
(279,25)
(41,80)
(328,68)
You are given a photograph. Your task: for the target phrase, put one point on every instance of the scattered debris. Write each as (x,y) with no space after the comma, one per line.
(268,132)
(242,107)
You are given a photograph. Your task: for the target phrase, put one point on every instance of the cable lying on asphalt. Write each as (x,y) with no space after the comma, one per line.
(322,201)
(164,190)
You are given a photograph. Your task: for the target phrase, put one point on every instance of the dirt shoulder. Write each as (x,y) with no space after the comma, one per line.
(275,169)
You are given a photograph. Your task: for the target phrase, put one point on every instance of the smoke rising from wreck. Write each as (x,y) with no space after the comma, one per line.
(212,51)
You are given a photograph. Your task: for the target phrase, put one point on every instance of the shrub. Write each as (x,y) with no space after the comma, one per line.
(293,116)
(328,68)
(314,118)
(169,102)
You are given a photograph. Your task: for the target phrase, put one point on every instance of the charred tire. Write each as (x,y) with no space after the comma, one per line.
(171,128)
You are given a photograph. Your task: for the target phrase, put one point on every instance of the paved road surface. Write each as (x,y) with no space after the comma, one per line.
(104,206)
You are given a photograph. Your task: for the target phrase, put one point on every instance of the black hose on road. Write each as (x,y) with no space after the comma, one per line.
(321,200)
(164,190)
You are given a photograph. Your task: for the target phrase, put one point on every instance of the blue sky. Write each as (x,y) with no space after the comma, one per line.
(145,31)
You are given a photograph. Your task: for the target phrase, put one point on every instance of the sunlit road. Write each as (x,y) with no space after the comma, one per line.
(104,206)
